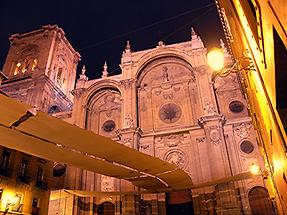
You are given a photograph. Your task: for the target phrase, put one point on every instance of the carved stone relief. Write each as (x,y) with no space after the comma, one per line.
(209,109)
(128,121)
(171,140)
(176,157)
(200,139)
(243,130)
(128,142)
(107,183)
(127,83)
(214,136)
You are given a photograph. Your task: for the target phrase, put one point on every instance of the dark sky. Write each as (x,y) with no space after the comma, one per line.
(98,30)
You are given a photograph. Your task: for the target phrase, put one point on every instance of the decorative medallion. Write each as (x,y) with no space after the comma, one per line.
(109,126)
(176,157)
(170,113)
(247,147)
(214,136)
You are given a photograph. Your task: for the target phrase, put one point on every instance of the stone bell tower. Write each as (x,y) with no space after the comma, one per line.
(41,69)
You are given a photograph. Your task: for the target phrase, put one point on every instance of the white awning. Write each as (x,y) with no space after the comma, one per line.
(53,139)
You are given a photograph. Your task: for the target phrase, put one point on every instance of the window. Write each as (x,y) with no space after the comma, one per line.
(34,64)
(280,56)
(5,160)
(40,175)
(25,65)
(17,68)
(23,168)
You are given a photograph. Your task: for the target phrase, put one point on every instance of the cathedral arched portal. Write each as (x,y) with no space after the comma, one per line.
(167,94)
(103,112)
(260,202)
(106,208)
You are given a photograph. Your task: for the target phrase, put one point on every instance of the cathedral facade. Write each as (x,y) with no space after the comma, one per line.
(163,104)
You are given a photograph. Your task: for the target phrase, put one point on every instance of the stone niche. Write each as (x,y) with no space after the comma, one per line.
(167,96)
(104,112)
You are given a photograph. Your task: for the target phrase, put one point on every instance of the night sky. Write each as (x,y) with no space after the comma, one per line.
(98,30)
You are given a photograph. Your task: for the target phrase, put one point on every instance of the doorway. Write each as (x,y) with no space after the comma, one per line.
(260,202)
(106,208)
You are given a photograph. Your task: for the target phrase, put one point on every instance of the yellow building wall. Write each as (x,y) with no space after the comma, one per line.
(260,84)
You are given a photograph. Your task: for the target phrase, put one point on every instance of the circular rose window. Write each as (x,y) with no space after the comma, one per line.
(169,113)
(236,106)
(109,126)
(247,147)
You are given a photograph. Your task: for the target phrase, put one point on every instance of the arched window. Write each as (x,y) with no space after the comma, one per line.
(26,65)
(17,68)
(34,64)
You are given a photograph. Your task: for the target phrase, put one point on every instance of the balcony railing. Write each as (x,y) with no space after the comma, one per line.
(24,179)
(42,185)
(7,172)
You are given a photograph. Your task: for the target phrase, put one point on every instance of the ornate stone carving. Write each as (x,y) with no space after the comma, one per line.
(214,136)
(145,147)
(176,157)
(78,92)
(171,140)
(170,113)
(127,83)
(128,121)
(165,77)
(127,141)
(200,139)
(107,183)
(243,130)
(168,95)
(209,109)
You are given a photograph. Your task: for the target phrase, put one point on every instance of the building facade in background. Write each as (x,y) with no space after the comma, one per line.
(30,70)
(163,104)
(260,27)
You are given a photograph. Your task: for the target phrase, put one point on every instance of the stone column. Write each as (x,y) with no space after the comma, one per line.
(219,162)
(130,205)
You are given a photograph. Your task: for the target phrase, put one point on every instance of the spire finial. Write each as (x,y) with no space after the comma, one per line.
(128,46)
(84,70)
(83,74)
(105,70)
(193,33)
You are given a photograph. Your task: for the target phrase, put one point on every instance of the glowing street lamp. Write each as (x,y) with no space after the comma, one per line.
(215,59)
(254,169)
